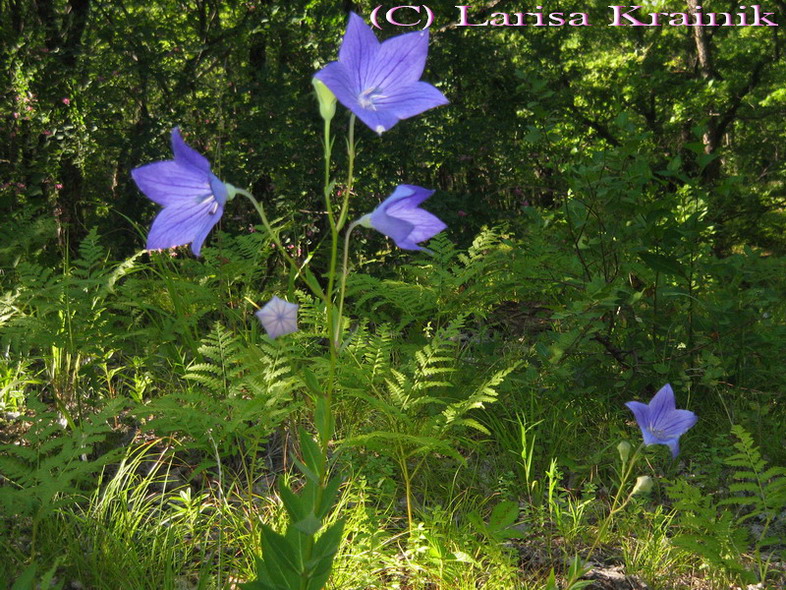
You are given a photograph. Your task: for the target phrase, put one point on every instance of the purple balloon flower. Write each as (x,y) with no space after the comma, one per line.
(400,218)
(192,196)
(661,422)
(380,82)
(278,317)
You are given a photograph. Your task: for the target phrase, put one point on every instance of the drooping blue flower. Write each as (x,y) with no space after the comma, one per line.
(278,317)
(400,218)
(380,82)
(661,422)
(192,196)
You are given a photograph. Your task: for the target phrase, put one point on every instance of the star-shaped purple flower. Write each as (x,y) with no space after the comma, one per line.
(661,422)
(400,218)
(192,196)
(380,82)
(278,317)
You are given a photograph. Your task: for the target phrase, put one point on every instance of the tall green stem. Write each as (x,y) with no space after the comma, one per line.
(344,273)
(616,506)
(277,242)
(334,319)
(351,152)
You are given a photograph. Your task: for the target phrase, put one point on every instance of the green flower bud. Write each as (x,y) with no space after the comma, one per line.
(327,100)
(643,485)
(624,450)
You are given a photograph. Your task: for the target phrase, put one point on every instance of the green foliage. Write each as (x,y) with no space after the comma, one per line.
(54,462)
(434,290)
(421,409)
(29,579)
(709,533)
(241,394)
(717,534)
(142,527)
(499,527)
(301,558)
(576,570)
(67,319)
(758,489)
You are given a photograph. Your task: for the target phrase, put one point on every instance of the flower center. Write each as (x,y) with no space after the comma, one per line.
(656,432)
(368,96)
(214,209)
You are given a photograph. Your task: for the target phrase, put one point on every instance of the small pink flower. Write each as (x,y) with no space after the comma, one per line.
(58,186)
(16,115)
(66,101)
(461,213)
(47,133)
(28,108)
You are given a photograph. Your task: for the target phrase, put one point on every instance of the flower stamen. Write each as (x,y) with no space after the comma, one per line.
(368,96)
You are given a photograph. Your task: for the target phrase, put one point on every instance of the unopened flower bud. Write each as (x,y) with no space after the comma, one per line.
(624,450)
(643,485)
(327,100)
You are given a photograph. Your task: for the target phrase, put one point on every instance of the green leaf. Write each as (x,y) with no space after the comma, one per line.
(323,554)
(312,383)
(504,515)
(312,454)
(664,264)
(323,420)
(328,497)
(279,557)
(27,580)
(309,525)
(292,503)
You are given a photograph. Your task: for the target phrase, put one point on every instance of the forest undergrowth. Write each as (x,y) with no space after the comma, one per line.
(147,426)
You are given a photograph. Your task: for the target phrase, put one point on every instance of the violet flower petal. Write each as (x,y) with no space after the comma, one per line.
(379,82)
(411,100)
(399,217)
(168,183)
(192,196)
(278,317)
(399,61)
(660,422)
(184,224)
(359,46)
(187,156)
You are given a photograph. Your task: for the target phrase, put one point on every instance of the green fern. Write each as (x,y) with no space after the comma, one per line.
(420,410)
(53,463)
(242,393)
(67,320)
(759,490)
(438,288)
(222,372)
(709,532)
(719,535)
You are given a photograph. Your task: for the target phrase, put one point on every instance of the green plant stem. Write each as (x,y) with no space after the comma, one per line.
(344,273)
(277,241)
(616,506)
(328,152)
(351,153)
(407,485)
(334,318)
